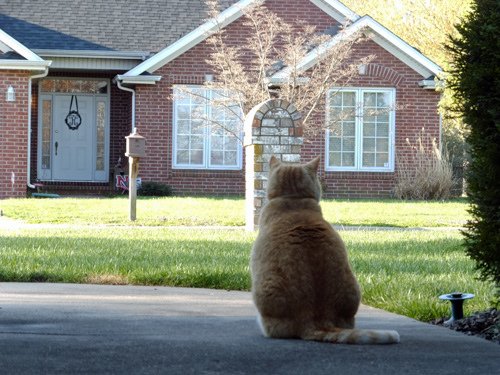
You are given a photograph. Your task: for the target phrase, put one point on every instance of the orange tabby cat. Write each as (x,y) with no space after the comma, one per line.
(302,284)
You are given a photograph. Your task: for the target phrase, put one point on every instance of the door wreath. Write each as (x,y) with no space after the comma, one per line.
(73,119)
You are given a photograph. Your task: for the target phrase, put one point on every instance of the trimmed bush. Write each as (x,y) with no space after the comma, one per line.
(154,189)
(474,79)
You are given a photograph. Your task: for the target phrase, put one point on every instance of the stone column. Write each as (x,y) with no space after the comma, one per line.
(271,128)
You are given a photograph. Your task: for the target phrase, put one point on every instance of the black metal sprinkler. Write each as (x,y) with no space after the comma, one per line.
(457,300)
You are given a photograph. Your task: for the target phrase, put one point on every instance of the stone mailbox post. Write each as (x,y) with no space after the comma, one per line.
(136,149)
(271,128)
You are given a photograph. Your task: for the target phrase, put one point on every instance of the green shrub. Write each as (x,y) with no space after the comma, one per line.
(474,79)
(154,189)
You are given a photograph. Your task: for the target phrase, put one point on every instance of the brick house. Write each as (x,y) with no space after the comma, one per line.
(75,79)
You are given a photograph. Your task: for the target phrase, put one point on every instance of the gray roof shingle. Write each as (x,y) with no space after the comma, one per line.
(112,25)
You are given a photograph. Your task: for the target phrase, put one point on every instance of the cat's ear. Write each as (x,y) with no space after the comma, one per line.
(313,164)
(274,162)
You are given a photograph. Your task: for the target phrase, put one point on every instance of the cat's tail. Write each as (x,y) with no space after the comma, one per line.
(353,336)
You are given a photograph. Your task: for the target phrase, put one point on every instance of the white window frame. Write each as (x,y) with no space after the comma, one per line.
(207,139)
(358,157)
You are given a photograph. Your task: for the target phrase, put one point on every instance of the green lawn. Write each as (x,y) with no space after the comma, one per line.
(400,271)
(228,212)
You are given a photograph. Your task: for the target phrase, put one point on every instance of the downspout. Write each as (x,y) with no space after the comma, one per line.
(36,76)
(119,85)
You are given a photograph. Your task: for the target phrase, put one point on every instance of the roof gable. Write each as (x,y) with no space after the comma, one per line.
(333,8)
(190,40)
(380,35)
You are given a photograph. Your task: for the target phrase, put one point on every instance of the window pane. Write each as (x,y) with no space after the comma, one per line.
(197,127)
(382,145)
(230,158)
(183,126)
(368,159)
(383,116)
(349,99)
(89,86)
(335,159)
(183,142)
(100,124)
(349,129)
(201,112)
(336,129)
(335,100)
(230,143)
(383,130)
(335,144)
(383,99)
(348,144)
(346,149)
(217,143)
(217,157)
(46,132)
(382,160)
(196,157)
(348,159)
(369,145)
(370,99)
(197,143)
(183,157)
(368,129)
(183,112)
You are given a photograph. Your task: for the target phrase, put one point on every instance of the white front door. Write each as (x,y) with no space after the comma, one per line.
(73,138)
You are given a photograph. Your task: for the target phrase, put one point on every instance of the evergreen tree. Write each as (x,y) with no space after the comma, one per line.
(475,79)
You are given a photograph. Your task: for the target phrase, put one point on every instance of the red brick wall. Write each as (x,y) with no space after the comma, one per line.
(417,110)
(154,110)
(13,134)
(154,115)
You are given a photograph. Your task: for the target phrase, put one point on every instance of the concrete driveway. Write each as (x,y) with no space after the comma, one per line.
(96,329)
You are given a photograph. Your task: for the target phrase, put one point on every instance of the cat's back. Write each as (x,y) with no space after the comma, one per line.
(295,228)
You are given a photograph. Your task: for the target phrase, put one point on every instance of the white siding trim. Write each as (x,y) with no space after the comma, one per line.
(336,10)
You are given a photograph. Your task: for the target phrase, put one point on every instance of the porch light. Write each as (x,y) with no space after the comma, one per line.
(11,94)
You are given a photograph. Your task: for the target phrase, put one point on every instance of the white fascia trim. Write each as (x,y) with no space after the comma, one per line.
(138,80)
(419,60)
(336,10)
(431,84)
(279,80)
(24,64)
(8,43)
(188,41)
(415,60)
(93,54)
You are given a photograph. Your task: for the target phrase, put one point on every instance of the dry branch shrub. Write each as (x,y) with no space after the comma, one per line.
(423,173)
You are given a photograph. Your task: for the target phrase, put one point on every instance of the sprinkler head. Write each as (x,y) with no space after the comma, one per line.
(457,300)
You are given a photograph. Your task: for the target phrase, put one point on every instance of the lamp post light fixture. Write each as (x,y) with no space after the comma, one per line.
(11,94)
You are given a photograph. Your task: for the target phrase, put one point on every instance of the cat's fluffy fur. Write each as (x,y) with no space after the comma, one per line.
(302,283)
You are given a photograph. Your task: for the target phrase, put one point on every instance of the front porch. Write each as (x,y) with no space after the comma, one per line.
(84,156)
